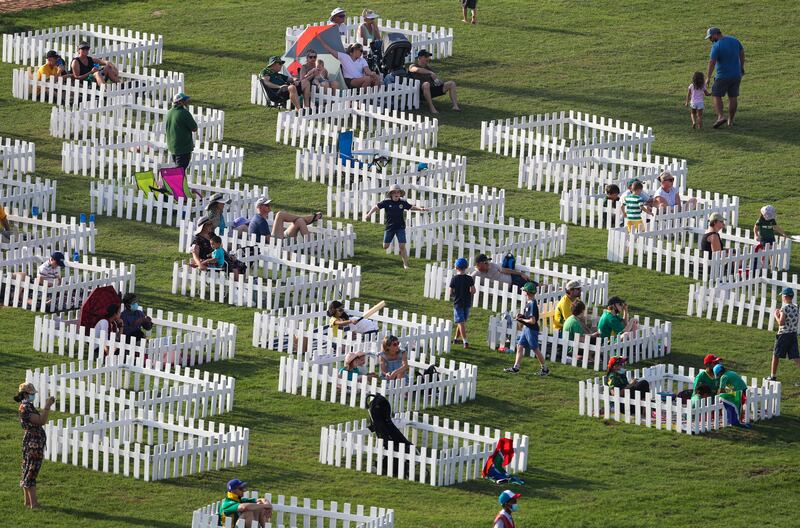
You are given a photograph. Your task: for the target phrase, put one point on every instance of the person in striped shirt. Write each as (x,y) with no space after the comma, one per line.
(632,207)
(50,271)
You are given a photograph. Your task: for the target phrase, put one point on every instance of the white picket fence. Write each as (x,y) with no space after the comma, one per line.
(318,128)
(662,409)
(677,252)
(290,512)
(304,331)
(402,94)
(651,340)
(746,301)
(275,279)
(594,210)
(443,201)
(123,47)
(449,239)
(16,157)
(443,453)
(19,287)
(524,136)
(158,85)
(121,161)
(92,120)
(32,234)
(115,383)
(320,379)
(26,192)
(405,166)
(503,297)
(436,40)
(113,198)
(327,240)
(591,172)
(178,339)
(146,445)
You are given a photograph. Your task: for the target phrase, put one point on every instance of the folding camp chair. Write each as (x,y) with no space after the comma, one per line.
(146,182)
(270,102)
(345,148)
(174,181)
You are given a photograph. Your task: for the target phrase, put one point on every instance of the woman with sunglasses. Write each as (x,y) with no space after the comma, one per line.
(92,69)
(394,363)
(313,73)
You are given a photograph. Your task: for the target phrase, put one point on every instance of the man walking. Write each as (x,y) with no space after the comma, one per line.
(786,340)
(179,126)
(727,54)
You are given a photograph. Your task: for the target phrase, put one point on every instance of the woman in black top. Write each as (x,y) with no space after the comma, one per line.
(711,241)
(201,248)
(84,67)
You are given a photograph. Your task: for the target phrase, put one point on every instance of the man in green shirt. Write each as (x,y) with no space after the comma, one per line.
(235,505)
(706,376)
(180,125)
(281,87)
(615,320)
(733,393)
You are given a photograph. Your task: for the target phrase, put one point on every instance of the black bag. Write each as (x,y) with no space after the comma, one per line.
(429,373)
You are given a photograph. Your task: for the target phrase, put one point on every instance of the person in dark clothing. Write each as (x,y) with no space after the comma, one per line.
(179,126)
(34,441)
(395,208)
(462,288)
(134,321)
(617,377)
(92,69)
(711,242)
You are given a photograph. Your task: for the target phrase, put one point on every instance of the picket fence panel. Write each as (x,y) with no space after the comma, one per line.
(24,192)
(290,512)
(32,234)
(17,157)
(662,409)
(443,452)
(123,47)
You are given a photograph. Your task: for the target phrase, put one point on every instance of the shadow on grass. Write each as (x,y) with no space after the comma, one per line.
(537,479)
(114,520)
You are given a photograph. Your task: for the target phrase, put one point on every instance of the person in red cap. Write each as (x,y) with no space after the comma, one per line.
(508,501)
(617,377)
(706,376)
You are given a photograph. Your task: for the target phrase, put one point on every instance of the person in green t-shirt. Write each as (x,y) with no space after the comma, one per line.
(235,505)
(732,387)
(615,320)
(576,325)
(281,87)
(706,376)
(766,226)
(180,125)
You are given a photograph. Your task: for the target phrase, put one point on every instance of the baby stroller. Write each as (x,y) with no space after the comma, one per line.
(388,56)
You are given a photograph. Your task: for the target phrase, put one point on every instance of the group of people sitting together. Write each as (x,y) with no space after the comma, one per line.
(354,69)
(83,67)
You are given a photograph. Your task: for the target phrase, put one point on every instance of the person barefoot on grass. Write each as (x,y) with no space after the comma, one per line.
(431,86)
(462,288)
(469,4)
(529,338)
(727,54)
(695,99)
(395,219)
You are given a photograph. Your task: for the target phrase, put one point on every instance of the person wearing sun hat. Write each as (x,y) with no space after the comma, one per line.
(180,127)
(353,363)
(667,194)
(706,376)
(281,87)
(462,288)
(508,505)
(766,226)
(215,208)
(395,221)
(786,339)
(34,440)
(711,242)
(235,505)
(339,17)
(528,339)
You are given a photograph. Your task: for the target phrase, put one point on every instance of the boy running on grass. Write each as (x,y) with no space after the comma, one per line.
(395,219)
(462,288)
(529,338)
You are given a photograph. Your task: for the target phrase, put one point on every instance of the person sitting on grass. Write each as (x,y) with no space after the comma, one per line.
(577,325)
(259,224)
(430,85)
(667,194)
(462,288)
(280,87)
(50,271)
(353,363)
(615,320)
(394,363)
(706,376)
(617,377)
(236,506)
(133,318)
(528,339)
(488,270)
(54,66)
(766,226)
(92,70)
(732,390)
(786,339)
(700,393)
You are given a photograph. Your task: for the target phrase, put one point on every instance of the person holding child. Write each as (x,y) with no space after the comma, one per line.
(695,99)
(528,339)
(202,250)
(314,73)
(462,288)
(395,221)
(394,363)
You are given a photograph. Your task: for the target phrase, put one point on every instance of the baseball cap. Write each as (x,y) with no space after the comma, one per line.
(713,217)
(631,182)
(424,53)
(337,11)
(480,259)
(710,359)
(263,201)
(616,360)
(180,96)
(217,198)
(615,300)
(275,58)
(712,31)
(574,285)
(718,369)
(768,212)
(51,53)
(84,45)
(461,263)
(58,257)
(787,292)
(506,496)
(530,287)
(236,483)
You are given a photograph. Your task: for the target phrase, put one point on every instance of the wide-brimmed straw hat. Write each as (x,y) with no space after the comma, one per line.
(395,188)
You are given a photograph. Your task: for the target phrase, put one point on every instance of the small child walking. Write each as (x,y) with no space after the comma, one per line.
(469,4)
(695,98)
(529,338)
(395,219)
(462,288)
(632,208)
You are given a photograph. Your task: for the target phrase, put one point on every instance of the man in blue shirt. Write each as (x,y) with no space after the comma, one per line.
(727,54)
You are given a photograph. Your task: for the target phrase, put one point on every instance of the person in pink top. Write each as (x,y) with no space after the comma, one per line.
(696,97)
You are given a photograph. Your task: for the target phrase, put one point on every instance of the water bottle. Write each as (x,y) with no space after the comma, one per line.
(76,257)
(83,218)
(91,218)
(35,211)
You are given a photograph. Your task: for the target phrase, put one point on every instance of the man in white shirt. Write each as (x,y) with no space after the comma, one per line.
(486,269)
(339,17)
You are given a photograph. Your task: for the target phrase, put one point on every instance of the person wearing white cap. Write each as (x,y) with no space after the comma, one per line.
(33,443)
(508,502)
(259,224)
(339,17)
(572,293)
(180,126)
(369,31)
(766,226)
(395,220)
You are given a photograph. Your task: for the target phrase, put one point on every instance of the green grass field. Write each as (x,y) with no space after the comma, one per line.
(630,61)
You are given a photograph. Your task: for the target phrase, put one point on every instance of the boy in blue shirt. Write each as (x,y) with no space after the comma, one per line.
(529,338)
(462,288)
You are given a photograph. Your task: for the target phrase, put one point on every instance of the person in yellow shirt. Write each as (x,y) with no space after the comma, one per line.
(53,67)
(564,307)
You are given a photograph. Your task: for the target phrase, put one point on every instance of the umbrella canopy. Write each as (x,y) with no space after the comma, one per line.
(312,39)
(95,306)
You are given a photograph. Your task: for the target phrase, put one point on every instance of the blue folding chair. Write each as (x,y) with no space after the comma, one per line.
(349,158)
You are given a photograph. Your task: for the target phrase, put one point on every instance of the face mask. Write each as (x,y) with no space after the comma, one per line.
(31,397)
(514,507)
(135,307)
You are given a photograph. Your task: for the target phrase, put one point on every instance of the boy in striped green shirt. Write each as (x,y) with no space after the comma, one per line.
(632,207)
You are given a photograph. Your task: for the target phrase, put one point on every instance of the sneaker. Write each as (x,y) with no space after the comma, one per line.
(544,371)
(512,370)
(771,378)
(456,341)
(466,344)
